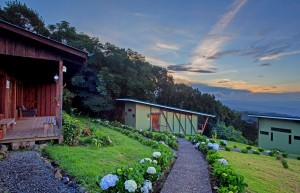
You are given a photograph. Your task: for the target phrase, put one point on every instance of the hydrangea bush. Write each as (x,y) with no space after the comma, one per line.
(139,177)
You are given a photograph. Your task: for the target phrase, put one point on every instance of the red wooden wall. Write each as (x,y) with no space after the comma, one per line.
(41,97)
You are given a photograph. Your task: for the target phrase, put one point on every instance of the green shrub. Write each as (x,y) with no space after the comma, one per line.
(273,153)
(227,148)
(223,143)
(278,157)
(200,138)
(298,158)
(249,147)
(71,129)
(235,146)
(228,179)
(261,149)
(228,133)
(203,148)
(284,163)
(255,152)
(212,158)
(284,155)
(244,151)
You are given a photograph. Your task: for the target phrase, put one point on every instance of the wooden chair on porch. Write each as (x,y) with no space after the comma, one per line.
(23,112)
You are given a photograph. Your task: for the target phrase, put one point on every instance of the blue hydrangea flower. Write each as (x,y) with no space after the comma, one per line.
(108,181)
(147,186)
(210,145)
(223,161)
(215,146)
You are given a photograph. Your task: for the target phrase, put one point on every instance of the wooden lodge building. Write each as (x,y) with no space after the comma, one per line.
(32,70)
(144,115)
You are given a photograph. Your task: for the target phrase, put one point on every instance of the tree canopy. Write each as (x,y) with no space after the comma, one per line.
(112,72)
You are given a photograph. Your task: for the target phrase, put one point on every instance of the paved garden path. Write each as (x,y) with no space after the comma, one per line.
(25,172)
(189,173)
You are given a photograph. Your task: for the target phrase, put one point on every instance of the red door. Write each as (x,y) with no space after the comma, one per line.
(155,122)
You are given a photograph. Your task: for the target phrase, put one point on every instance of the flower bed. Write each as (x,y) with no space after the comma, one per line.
(138,177)
(224,175)
(162,137)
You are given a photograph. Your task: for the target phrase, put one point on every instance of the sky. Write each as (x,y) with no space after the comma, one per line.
(246,53)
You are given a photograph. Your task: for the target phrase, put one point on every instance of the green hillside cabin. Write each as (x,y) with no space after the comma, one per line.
(282,133)
(145,115)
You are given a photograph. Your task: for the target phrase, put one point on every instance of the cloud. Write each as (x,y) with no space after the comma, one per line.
(223,81)
(209,47)
(278,55)
(167,46)
(158,62)
(185,67)
(265,64)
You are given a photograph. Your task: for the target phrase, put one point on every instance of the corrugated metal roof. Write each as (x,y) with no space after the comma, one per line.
(165,107)
(275,117)
(46,38)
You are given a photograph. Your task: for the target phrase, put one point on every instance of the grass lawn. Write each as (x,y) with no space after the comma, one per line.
(265,173)
(231,144)
(87,163)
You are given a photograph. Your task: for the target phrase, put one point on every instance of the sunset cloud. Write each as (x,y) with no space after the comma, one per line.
(166,46)
(277,56)
(158,62)
(212,44)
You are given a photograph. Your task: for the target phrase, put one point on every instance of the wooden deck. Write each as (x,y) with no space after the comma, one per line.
(31,129)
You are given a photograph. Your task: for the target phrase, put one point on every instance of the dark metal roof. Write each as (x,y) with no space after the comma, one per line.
(276,117)
(165,107)
(37,37)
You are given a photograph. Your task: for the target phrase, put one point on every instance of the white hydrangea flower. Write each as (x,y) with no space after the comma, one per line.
(197,144)
(156,154)
(145,159)
(268,151)
(223,161)
(154,162)
(151,170)
(202,143)
(161,142)
(174,137)
(207,140)
(130,185)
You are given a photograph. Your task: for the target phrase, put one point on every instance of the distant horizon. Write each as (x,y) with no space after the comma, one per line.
(243,100)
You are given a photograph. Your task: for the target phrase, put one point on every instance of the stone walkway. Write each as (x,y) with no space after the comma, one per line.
(25,172)
(189,173)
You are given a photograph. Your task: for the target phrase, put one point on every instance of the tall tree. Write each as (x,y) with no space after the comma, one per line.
(19,14)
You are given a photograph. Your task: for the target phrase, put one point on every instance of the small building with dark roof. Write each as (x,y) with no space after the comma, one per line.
(144,115)
(32,73)
(282,133)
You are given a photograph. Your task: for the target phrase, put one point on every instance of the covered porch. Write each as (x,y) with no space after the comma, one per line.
(31,129)
(33,70)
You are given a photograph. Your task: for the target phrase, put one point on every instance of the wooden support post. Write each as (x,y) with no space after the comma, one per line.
(59,96)
(150,118)
(203,126)
(180,125)
(166,119)
(192,126)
